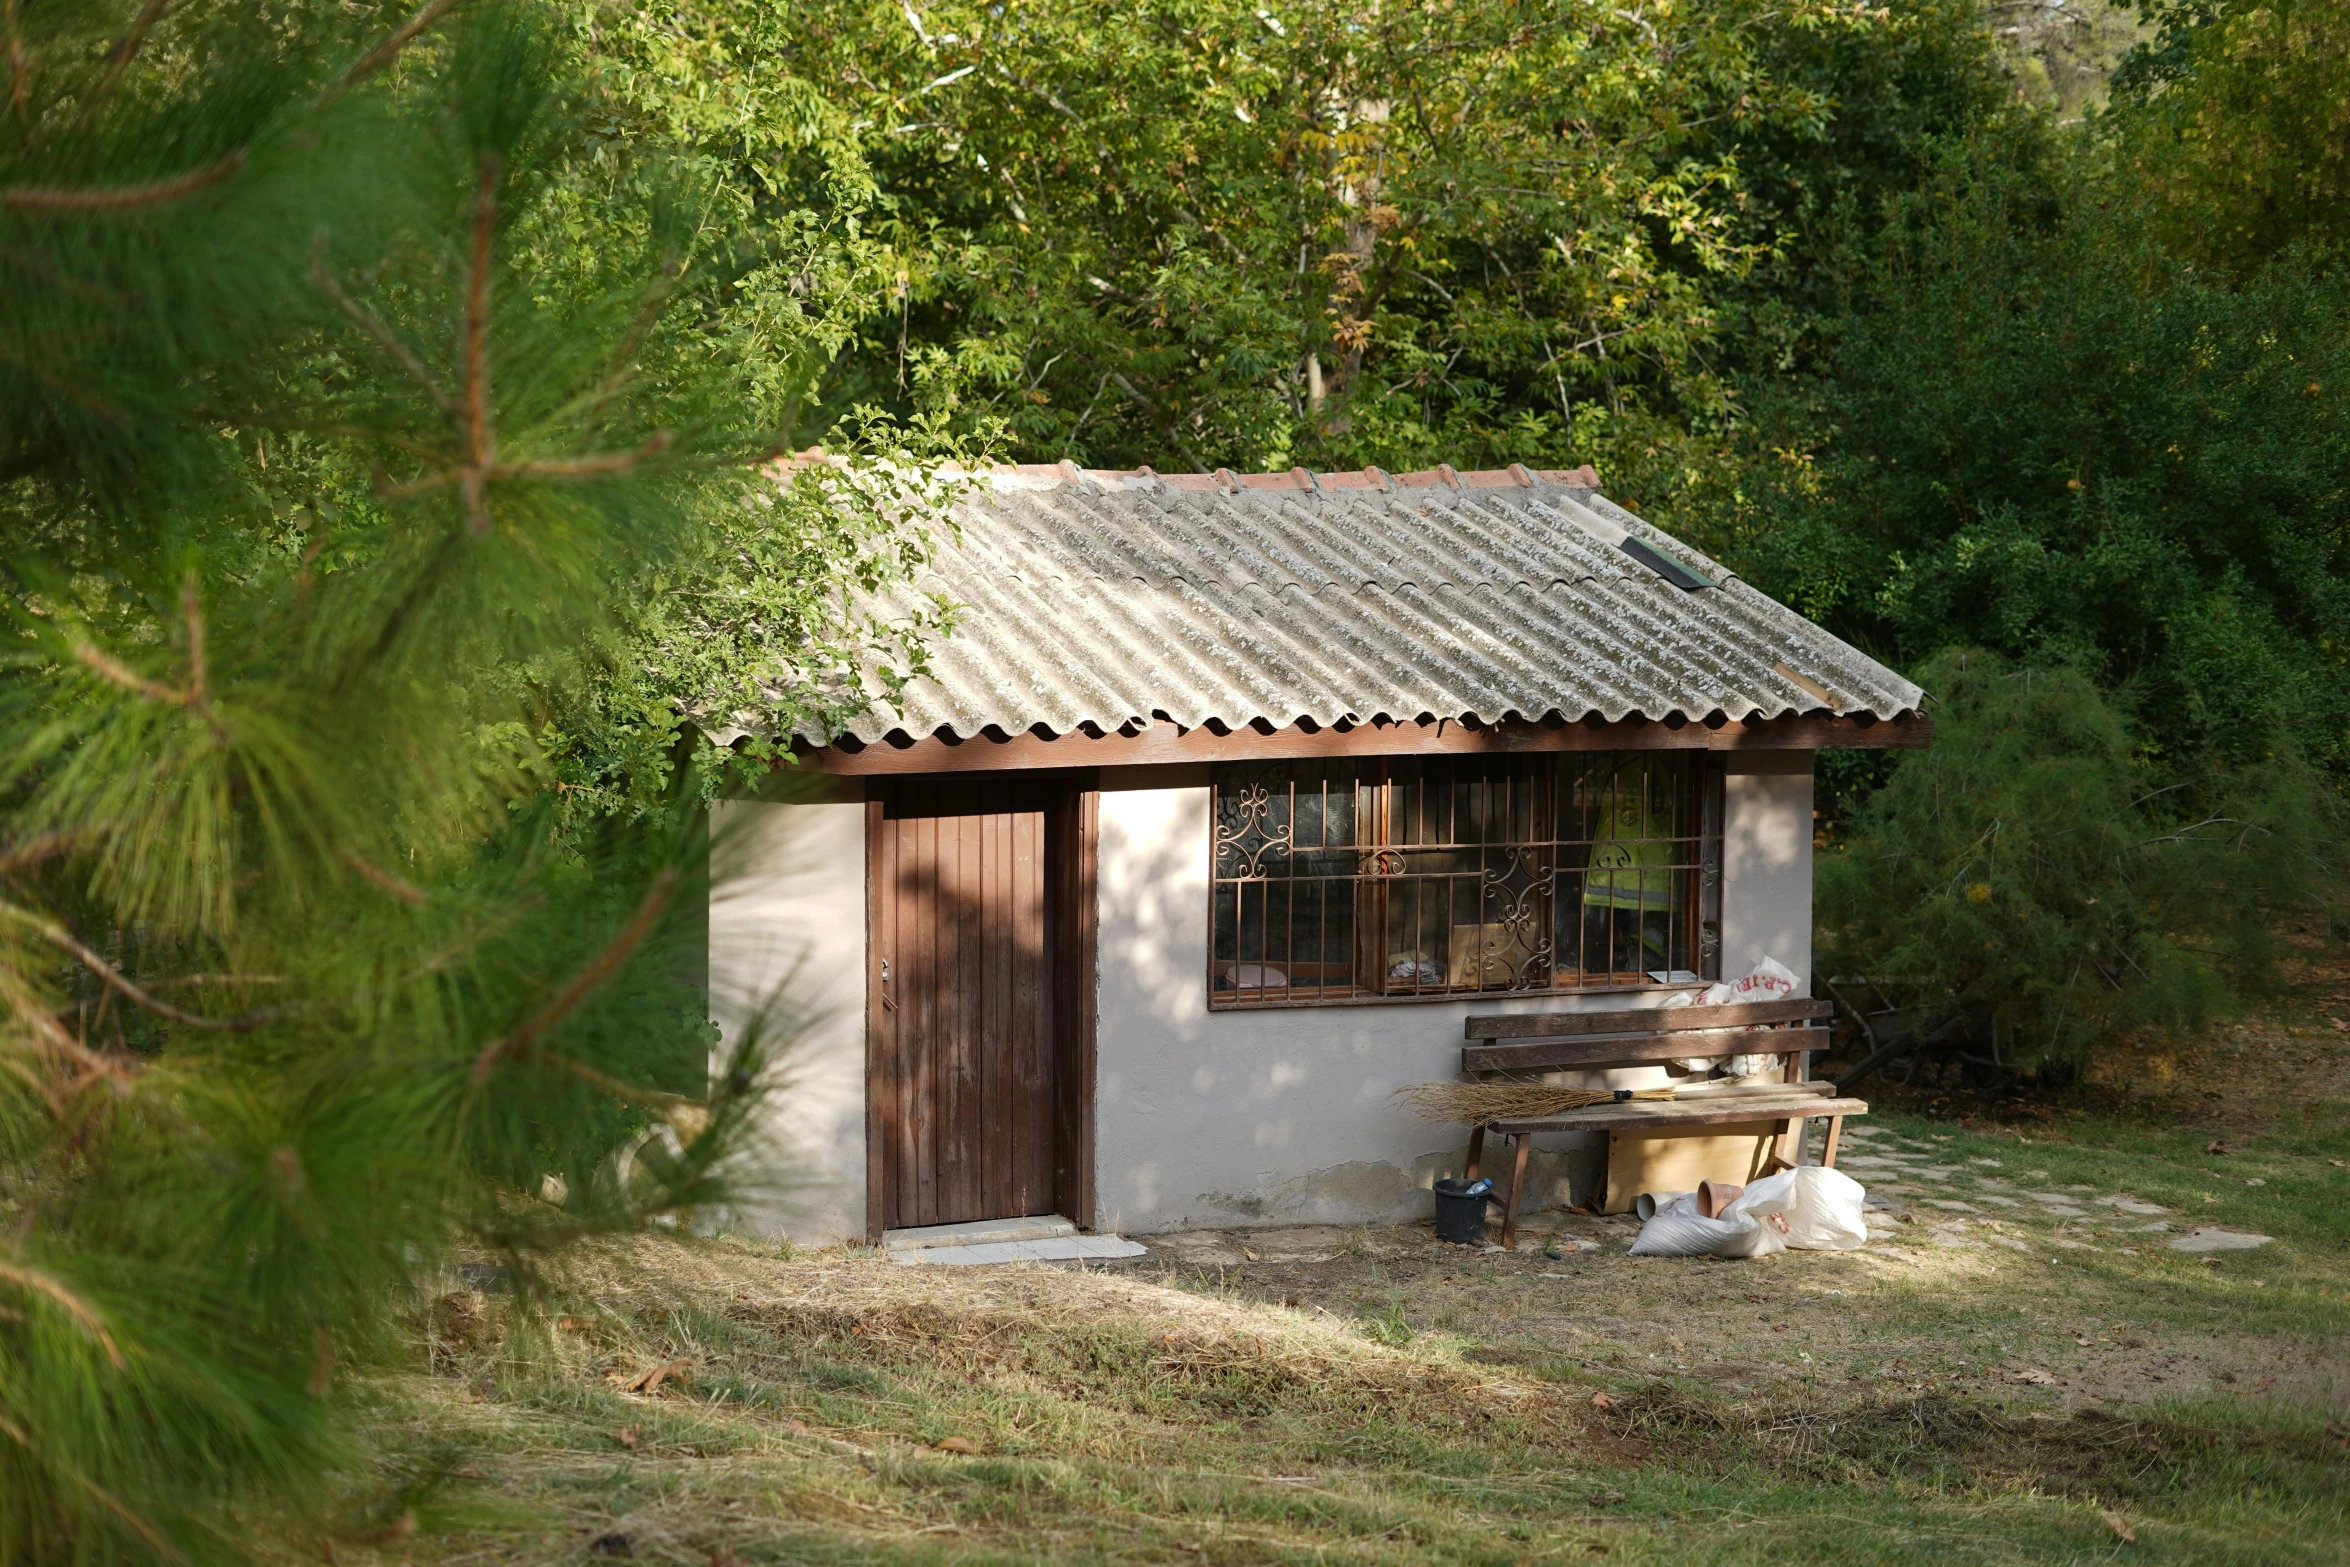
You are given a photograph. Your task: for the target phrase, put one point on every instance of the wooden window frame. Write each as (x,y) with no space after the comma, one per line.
(1703,782)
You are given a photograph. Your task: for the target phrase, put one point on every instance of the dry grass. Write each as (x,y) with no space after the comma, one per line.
(1372,1397)
(1278,1396)
(1139,1344)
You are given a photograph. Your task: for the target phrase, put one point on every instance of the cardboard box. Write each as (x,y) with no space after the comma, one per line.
(1676,1159)
(1489,957)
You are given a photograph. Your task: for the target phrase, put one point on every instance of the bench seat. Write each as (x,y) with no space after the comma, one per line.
(1696,1110)
(1553,1041)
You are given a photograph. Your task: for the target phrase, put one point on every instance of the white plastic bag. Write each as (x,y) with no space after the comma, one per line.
(1679,1230)
(1823,1208)
(1809,1209)
(1770,980)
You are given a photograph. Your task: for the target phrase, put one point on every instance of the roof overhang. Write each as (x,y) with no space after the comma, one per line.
(1164,743)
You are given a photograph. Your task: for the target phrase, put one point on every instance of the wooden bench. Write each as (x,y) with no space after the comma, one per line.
(1561,1041)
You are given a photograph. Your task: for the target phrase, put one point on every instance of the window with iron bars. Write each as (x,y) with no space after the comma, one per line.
(1411,878)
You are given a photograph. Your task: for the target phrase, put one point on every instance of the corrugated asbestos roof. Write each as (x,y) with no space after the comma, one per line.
(1105,599)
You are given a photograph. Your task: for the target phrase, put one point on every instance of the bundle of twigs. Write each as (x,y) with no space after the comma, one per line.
(1475,1102)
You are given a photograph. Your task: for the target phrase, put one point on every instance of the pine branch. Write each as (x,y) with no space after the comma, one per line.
(22,1000)
(191,612)
(203,981)
(107,1499)
(20,71)
(34,1282)
(120,198)
(386,490)
(194,695)
(406,892)
(26,261)
(624,360)
(115,980)
(33,851)
(670,1107)
(450,951)
(71,391)
(118,59)
(583,984)
(126,677)
(357,432)
(480,451)
(375,327)
(402,36)
(601,465)
(598,466)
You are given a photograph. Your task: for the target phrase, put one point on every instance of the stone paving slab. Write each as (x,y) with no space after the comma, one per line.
(1069,1248)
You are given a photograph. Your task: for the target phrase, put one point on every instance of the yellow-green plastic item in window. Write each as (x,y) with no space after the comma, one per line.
(1631,864)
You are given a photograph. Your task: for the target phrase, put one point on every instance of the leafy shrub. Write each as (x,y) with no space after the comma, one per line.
(2040,879)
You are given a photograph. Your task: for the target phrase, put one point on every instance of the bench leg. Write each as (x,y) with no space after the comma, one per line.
(1476,1154)
(1509,1214)
(1835,1135)
(1786,1148)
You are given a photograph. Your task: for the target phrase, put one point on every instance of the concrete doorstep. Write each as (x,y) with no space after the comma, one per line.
(984,1241)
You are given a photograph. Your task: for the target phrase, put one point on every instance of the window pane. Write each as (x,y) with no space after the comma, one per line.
(1517,873)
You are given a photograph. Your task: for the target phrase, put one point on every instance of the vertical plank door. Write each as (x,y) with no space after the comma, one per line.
(962,1069)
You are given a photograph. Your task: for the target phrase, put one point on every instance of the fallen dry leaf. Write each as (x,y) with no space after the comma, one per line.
(960,1444)
(1602,1401)
(649,1382)
(627,1435)
(2121,1528)
(2215,1146)
(2034,1376)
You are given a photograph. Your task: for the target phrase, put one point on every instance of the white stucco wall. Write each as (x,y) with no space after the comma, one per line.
(1283,1115)
(1272,1116)
(787,957)
(1766,862)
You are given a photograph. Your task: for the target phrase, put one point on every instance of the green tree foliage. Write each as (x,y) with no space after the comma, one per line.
(1808,283)
(2051,436)
(2036,881)
(1197,233)
(2236,128)
(369,412)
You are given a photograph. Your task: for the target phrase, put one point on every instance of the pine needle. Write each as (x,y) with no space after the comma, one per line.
(35,1282)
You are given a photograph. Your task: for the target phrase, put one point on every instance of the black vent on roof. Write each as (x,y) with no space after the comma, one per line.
(1656,560)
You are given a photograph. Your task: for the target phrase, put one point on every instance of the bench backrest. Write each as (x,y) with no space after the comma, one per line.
(1541,1041)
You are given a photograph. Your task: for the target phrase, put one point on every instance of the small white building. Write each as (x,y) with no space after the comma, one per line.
(1231,798)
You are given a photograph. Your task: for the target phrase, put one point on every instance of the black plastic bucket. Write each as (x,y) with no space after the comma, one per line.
(1460,1210)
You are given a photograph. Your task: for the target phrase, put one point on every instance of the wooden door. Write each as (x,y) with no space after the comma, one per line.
(962,1068)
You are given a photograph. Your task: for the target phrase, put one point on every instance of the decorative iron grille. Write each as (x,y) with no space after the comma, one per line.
(1406,877)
